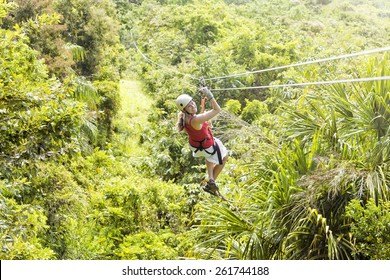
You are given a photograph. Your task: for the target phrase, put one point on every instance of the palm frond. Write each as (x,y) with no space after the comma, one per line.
(89,132)
(232,235)
(78,52)
(312,238)
(86,92)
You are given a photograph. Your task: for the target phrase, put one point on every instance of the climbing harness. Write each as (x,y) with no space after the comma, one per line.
(216,150)
(200,147)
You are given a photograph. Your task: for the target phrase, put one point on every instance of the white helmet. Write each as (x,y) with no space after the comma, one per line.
(182,101)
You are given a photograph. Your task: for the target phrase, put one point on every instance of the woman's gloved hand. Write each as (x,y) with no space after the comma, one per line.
(206,92)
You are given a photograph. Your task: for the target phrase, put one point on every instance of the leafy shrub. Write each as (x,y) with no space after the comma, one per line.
(38,119)
(370,227)
(233,106)
(147,246)
(21,229)
(109,106)
(253,110)
(91,25)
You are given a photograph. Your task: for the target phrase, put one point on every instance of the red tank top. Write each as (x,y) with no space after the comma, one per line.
(200,138)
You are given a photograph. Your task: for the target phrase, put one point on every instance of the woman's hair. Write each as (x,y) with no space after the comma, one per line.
(181,121)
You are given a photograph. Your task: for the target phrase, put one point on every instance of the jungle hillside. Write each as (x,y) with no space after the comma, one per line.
(92,168)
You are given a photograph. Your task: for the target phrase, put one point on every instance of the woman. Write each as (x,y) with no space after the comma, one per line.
(201,140)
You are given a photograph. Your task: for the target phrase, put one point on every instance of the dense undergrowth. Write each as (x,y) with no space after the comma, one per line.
(92,168)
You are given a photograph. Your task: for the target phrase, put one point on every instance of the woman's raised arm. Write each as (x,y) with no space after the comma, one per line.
(198,120)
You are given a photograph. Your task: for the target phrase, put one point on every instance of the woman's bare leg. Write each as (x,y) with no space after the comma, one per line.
(218,168)
(210,170)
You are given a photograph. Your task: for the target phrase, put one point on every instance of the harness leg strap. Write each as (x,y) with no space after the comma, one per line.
(218,150)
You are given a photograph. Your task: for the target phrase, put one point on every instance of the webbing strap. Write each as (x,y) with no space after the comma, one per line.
(216,149)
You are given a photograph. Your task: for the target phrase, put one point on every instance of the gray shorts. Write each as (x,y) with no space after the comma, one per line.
(211,158)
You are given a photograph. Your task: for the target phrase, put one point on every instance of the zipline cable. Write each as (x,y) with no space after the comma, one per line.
(161,65)
(381,78)
(201,80)
(303,63)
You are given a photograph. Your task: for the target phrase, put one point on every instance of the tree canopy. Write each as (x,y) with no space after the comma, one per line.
(91,166)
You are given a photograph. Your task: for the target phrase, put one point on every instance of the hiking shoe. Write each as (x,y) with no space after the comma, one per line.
(212,185)
(211,188)
(207,189)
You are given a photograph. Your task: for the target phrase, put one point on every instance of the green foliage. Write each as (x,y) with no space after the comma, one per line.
(170,156)
(352,121)
(148,246)
(45,203)
(38,121)
(253,110)
(55,189)
(233,106)
(370,228)
(123,204)
(109,105)
(301,153)
(4,8)
(22,227)
(313,238)
(93,26)
(42,25)
(92,51)
(308,173)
